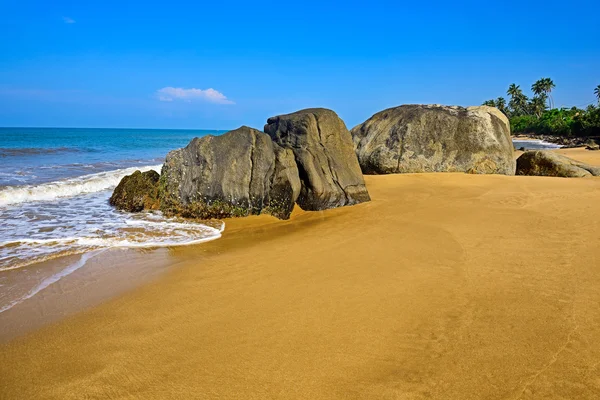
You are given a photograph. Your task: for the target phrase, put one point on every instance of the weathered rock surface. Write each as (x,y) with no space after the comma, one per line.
(434,138)
(239,173)
(548,163)
(137,192)
(322,146)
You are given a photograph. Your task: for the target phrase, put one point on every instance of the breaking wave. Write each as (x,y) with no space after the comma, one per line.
(91,183)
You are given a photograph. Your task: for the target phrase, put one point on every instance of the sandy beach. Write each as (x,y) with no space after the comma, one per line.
(444,286)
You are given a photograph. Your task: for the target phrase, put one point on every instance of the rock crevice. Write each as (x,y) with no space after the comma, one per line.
(239,173)
(328,168)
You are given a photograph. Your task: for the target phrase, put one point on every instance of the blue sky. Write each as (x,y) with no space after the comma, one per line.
(150,64)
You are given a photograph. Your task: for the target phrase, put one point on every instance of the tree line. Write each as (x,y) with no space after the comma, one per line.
(537,115)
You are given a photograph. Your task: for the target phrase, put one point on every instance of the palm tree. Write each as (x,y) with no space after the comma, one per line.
(500,102)
(489,103)
(518,101)
(548,85)
(514,90)
(538,105)
(543,87)
(501,105)
(538,87)
(597,93)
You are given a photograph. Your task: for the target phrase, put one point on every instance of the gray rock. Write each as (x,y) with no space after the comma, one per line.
(592,145)
(322,146)
(434,138)
(239,173)
(137,192)
(549,163)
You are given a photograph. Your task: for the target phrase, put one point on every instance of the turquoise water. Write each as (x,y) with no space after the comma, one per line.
(36,155)
(54,191)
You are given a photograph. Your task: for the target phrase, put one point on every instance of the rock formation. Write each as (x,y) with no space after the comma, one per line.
(239,173)
(329,171)
(434,138)
(548,163)
(137,192)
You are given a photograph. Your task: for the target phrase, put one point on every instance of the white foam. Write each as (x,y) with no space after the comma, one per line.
(537,144)
(91,183)
(73,216)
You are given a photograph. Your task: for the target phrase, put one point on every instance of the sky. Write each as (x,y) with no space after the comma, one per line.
(223,64)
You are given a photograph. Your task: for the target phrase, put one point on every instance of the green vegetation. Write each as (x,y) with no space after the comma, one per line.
(538,115)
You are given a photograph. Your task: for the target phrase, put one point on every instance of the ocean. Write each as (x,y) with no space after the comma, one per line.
(54,189)
(535,144)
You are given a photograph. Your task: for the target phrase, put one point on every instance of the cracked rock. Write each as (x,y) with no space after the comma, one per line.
(329,171)
(239,173)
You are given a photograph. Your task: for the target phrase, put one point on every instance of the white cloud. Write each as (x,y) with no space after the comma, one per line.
(211,95)
(68,20)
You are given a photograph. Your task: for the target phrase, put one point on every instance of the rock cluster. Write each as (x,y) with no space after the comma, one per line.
(548,163)
(310,158)
(434,138)
(307,158)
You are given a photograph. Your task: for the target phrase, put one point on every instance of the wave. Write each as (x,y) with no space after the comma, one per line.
(91,247)
(69,187)
(535,144)
(26,151)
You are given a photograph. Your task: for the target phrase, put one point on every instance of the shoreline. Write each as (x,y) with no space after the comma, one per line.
(167,258)
(565,142)
(375,299)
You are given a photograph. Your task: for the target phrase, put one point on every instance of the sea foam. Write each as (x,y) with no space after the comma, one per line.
(72,216)
(50,191)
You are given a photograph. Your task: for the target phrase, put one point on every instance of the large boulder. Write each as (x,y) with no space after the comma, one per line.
(322,146)
(549,163)
(239,173)
(434,138)
(137,192)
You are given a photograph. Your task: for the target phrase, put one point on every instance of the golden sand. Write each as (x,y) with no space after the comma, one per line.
(445,286)
(581,154)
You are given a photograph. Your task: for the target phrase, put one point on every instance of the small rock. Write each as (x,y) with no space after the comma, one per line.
(548,163)
(137,192)
(592,145)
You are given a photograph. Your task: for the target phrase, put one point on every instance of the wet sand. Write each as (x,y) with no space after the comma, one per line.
(103,276)
(446,286)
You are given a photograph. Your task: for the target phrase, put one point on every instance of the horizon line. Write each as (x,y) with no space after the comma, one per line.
(114,128)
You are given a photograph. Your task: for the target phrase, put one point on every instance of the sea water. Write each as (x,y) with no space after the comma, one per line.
(54,191)
(535,144)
